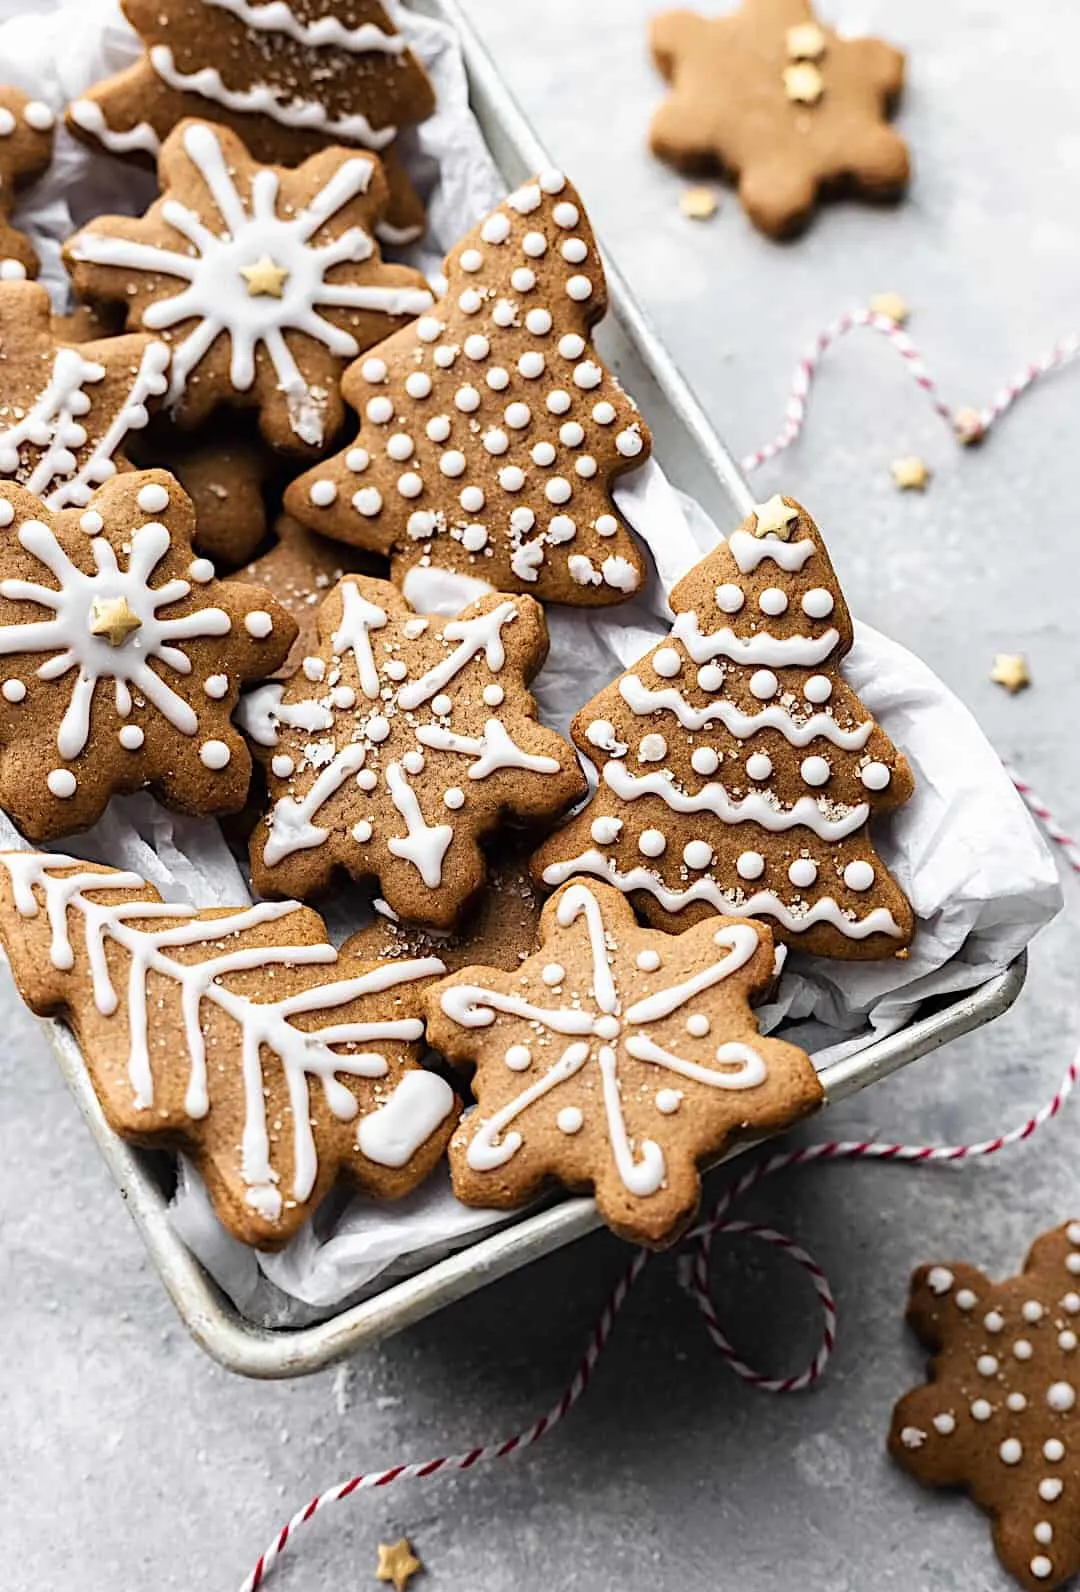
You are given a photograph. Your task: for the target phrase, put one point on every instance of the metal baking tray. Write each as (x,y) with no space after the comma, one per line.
(686,443)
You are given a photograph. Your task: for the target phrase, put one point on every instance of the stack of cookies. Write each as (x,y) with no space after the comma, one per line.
(241,487)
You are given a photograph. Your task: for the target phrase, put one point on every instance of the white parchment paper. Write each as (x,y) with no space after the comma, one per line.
(964,849)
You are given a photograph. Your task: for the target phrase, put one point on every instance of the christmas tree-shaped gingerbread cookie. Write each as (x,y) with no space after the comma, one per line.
(490,431)
(738,772)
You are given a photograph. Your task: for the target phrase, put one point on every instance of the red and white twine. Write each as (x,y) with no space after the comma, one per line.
(966,426)
(696,1280)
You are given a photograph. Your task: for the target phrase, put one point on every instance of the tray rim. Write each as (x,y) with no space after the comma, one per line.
(213,1321)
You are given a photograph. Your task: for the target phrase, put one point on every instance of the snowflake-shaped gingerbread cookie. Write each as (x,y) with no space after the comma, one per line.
(265,282)
(399,744)
(618,1059)
(784,103)
(69,408)
(1000,1415)
(238,1034)
(121,657)
(490,431)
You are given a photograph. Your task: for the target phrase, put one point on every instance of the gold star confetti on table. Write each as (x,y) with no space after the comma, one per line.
(1010,670)
(113,618)
(264,278)
(774,518)
(698,204)
(891,305)
(803,83)
(805,42)
(969,427)
(910,475)
(397,1563)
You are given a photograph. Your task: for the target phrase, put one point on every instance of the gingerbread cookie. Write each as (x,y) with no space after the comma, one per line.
(69,409)
(399,744)
(491,433)
(236,1034)
(298,571)
(617,1059)
(781,102)
(26,143)
(289,76)
(500,930)
(226,475)
(122,656)
(738,771)
(265,282)
(999,1416)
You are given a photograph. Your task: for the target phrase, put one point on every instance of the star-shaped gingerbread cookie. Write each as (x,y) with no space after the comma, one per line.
(265,282)
(783,103)
(999,1416)
(289,78)
(400,743)
(490,432)
(121,657)
(618,1059)
(69,409)
(26,142)
(237,1034)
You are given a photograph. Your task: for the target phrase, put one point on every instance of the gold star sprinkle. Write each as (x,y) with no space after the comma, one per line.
(891,305)
(264,278)
(698,204)
(397,1563)
(806,42)
(969,427)
(113,618)
(1010,670)
(774,518)
(803,83)
(910,475)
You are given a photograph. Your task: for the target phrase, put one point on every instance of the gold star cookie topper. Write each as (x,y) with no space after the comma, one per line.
(805,42)
(114,619)
(911,474)
(698,204)
(265,279)
(892,306)
(397,1563)
(803,83)
(1010,670)
(774,518)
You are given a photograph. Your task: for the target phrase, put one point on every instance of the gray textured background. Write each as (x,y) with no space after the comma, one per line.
(129,1460)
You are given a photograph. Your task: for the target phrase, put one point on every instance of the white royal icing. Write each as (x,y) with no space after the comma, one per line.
(274,16)
(89,115)
(798,732)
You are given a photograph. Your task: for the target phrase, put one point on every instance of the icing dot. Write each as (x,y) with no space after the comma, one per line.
(130,737)
(574,250)
(569,1120)
(357,460)
(377,728)
(1016,1402)
(1044,1531)
(759,765)
(858,875)
(944,1423)
(517,416)
(511,478)
(258,623)
(152,498)
(773,601)
(467,399)
(710,677)
(1053,1449)
(763,684)
(493,695)
(214,754)
(421,524)
(875,776)
(476,346)
(553,973)
(1072,1264)
(558,490)
(497,378)
(216,685)
(818,688)
(1067,1340)
(939,1279)
(1051,1487)
(993,1321)
(571,434)
(606,830)
(429,329)
(586,466)
(444,356)
(629,443)
(531,365)
(496,441)
(368,501)
(366,779)
(504,313)
(7,514)
(518,1057)
(314,669)
(410,484)
(201,570)
(1011,1451)
(551,180)
(452,463)
(418,384)
(470,302)
(399,448)
(373,370)
(538,322)
(653,749)
(572,346)
(1022,1349)
(471,260)
(379,410)
(604,413)
(523,280)
(750,865)
(986,1365)
(1071,1303)
(647,961)
(587,375)
(818,603)
(606,1027)
(651,843)
(606,525)
(361,832)
(1041,1567)
(13,690)
(441,704)
(561,529)
(1061,1396)
(558,401)
(61,781)
(534,244)
(965,1299)
(454,798)
(282,765)
(343,696)
(1072,1233)
(668,1101)
(496,228)
(980,1410)
(522,521)
(438,428)
(697,1025)
(38,115)
(802,873)
(543,454)
(697,854)
(565,214)
(413,762)
(703,760)
(472,501)
(1032,1310)
(579,288)
(815,770)
(12,271)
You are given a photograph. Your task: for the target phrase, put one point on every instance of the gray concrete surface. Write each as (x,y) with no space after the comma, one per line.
(130,1461)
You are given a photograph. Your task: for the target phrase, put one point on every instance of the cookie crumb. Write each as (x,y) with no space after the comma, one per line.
(969,427)
(698,204)
(892,306)
(1011,671)
(910,474)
